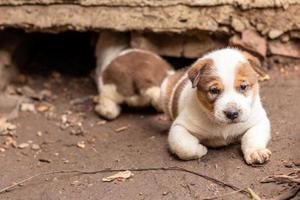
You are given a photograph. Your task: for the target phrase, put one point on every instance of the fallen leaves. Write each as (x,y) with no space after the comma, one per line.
(292,181)
(101,122)
(30,107)
(292,178)
(122,128)
(81,144)
(120,176)
(42,107)
(253,194)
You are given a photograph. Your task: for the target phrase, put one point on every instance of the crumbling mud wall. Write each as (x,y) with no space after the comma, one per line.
(181,26)
(266,16)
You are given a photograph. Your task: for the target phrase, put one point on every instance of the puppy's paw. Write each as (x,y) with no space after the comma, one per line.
(109,110)
(192,154)
(201,151)
(259,156)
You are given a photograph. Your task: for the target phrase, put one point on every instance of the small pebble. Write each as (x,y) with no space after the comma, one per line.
(75,183)
(39,133)
(10,141)
(23,145)
(35,147)
(27,107)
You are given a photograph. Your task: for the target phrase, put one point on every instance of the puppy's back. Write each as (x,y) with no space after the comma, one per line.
(134,71)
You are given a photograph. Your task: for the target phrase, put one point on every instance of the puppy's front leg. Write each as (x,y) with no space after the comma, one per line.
(185,145)
(107,108)
(254,143)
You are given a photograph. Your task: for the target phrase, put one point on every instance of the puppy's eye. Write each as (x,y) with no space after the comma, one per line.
(214,90)
(243,87)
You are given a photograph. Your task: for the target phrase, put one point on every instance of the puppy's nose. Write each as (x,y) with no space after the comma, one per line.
(231,114)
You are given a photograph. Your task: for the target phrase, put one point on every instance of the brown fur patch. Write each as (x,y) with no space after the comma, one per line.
(135,71)
(197,70)
(256,65)
(176,95)
(246,74)
(202,76)
(204,97)
(171,82)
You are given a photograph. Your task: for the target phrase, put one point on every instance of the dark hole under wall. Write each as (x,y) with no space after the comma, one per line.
(69,53)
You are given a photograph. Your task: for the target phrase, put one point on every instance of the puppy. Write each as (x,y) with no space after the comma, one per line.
(125,75)
(214,103)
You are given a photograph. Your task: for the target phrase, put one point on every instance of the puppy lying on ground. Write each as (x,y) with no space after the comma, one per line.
(214,103)
(125,75)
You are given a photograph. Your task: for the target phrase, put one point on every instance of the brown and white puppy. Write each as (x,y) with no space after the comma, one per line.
(125,75)
(214,103)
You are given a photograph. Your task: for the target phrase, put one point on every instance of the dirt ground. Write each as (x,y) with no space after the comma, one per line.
(136,140)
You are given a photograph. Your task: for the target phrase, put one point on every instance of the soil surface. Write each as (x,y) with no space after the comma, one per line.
(70,136)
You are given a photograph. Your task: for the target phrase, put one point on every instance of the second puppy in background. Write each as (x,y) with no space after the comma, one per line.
(125,75)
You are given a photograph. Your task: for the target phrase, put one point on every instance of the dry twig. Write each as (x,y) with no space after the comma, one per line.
(289,194)
(214,180)
(253,194)
(223,195)
(293,179)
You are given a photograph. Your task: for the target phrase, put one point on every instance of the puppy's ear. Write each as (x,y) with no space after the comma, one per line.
(197,70)
(256,65)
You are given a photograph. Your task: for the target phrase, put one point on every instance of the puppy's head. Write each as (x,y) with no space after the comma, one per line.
(226,84)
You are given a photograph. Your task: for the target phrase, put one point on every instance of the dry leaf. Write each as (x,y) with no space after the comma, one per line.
(81,144)
(123,128)
(253,194)
(119,176)
(101,122)
(42,108)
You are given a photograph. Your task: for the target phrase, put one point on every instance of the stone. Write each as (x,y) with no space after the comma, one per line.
(275,33)
(289,49)
(175,45)
(238,25)
(250,41)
